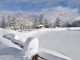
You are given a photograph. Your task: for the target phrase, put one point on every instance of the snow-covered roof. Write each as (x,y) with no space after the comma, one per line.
(39,25)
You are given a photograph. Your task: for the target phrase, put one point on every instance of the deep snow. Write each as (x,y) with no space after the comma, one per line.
(63,40)
(31,48)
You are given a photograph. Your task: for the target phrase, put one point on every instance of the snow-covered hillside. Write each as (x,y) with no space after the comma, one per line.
(57,43)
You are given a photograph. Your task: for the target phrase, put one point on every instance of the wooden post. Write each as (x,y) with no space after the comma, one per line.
(35,57)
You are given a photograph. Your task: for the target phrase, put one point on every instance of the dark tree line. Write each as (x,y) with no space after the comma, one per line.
(76,23)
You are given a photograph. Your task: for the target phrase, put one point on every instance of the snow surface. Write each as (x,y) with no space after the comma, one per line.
(65,41)
(31,48)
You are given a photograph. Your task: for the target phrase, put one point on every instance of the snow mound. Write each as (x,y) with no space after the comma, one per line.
(14,39)
(30,47)
(11,36)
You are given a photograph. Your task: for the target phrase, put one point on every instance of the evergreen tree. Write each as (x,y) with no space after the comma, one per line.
(46,24)
(41,21)
(3,23)
(58,22)
(36,22)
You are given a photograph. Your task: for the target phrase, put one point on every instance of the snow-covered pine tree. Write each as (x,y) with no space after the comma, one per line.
(58,22)
(36,22)
(29,22)
(11,21)
(3,22)
(24,22)
(19,22)
(46,23)
(41,20)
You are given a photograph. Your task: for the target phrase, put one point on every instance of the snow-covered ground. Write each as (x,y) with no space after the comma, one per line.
(65,42)
(56,42)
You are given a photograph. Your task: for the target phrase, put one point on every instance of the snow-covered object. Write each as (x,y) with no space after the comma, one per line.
(30,47)
(11,36)
(14,38)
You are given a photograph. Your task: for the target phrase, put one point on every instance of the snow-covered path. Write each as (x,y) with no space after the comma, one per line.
(65,42)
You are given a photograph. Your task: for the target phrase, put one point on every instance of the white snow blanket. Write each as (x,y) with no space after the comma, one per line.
(66,41)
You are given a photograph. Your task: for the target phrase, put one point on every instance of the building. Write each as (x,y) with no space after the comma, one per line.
(39,26)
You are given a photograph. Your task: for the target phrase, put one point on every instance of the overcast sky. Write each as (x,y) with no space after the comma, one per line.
(67,10)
